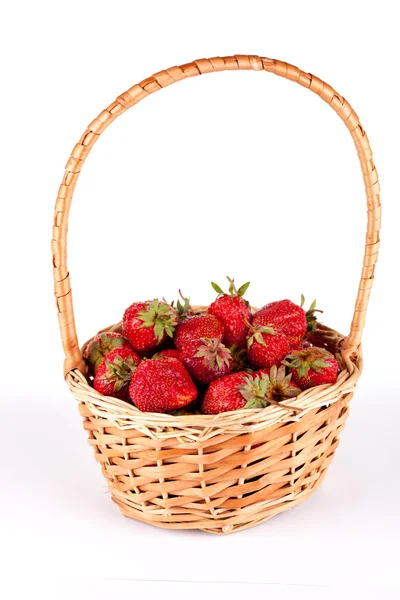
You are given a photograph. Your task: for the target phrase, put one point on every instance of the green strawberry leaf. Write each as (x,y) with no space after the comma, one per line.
(259,338)
(159,330)
(119,384)
(217,288)
(243,289)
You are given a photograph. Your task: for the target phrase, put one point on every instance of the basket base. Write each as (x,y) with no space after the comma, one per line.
(290,463)
(265,513)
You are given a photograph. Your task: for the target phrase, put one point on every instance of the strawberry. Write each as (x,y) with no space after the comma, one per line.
(161,385)
(147,324)
(233,312)
(171,352)
(197,327)
(101,345)
(242,390)
(286,316)
(224,394)
(114,374)
(206,359)
(289,318)
(312,366)
(266,346)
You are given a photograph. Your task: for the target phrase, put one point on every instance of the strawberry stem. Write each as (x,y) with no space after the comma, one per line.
(232,287)
(250,326)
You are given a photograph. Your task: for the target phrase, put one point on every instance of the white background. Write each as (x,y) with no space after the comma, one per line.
(237,173)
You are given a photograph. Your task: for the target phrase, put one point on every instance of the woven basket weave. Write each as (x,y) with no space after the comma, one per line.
(226,472)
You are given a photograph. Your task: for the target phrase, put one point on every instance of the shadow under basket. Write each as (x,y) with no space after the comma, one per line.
(218,473)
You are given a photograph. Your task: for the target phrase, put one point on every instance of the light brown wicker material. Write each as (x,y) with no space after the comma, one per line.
(226,472)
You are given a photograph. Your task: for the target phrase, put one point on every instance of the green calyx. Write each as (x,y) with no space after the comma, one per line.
(239,359)
(214,353)
(102,345)
(310,314)
(257,332)
(232,291)
(119,371)
(263,390)
(314,359)
(161,316)
(184,308)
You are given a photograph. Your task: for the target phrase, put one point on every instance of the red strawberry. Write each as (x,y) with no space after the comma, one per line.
(161,385)
(114,374)
(242,390)
(196,327)
(224,394)
(147,324)
(171,352)
(312,366)
(233,312)
(101,345)
(206,359)
(266,346)
(289,318)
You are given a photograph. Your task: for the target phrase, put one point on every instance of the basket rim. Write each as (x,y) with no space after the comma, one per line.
(123,415)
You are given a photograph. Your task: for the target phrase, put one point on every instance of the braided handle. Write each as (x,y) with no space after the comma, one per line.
(80,152)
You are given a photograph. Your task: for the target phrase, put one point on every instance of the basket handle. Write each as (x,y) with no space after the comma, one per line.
(162,79)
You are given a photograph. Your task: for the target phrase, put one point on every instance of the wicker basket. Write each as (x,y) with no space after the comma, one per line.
(230,471)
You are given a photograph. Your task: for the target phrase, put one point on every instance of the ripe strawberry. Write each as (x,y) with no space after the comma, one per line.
(161,385)
(266,346)
(224,394)
(101,345)
(312,366)
(171,352)
(196,327)
(114,374)
(242,390)
(289,318)
(147,324)
(233,312)
(206,359)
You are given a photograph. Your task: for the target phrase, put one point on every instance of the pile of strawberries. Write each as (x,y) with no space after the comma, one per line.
(169,359)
